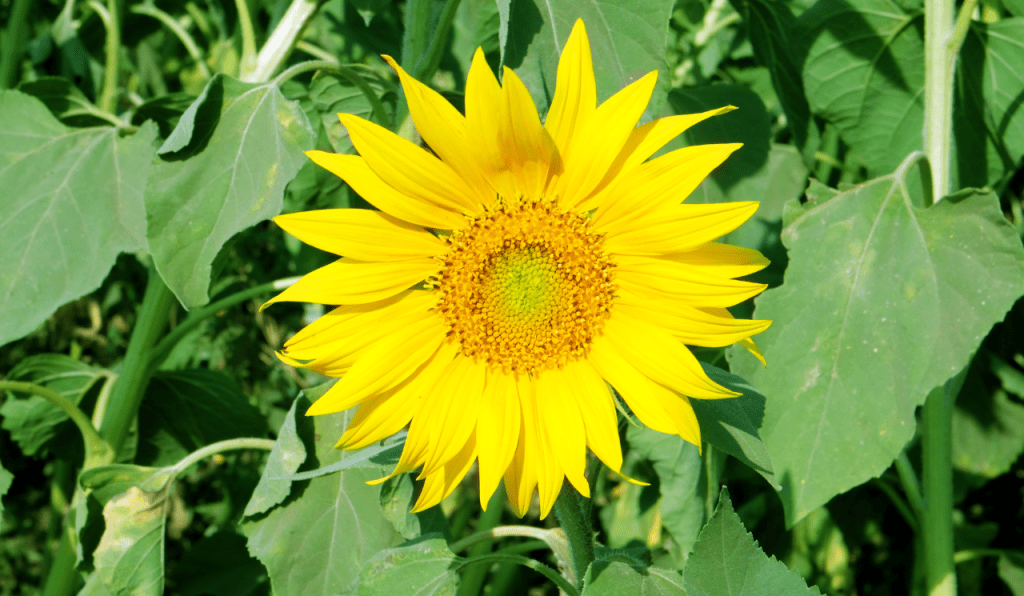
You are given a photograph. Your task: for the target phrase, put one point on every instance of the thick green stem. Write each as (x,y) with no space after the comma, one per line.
(135,370)
(573,511)
(111,18)
(14,42)
(281,43)
(537,566)
(248,61)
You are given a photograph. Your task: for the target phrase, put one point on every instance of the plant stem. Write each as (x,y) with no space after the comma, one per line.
(573,511)
(473,579)
(277,49)
(218,447)
(14,40)
(135,370)
(942,42)
(112,69)
(248,62)
(97,451)
(179,31)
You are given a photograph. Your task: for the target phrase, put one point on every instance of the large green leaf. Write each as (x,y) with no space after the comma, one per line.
(614,578)
(34,421)
(421,567)
(288,454)
(883,302)
(988,425)
(627,40)
(317,542)
(778,45)
(728,562)
(678,466)
(865,73)
(223,169)
(332,95)
(72,203)
(189,409)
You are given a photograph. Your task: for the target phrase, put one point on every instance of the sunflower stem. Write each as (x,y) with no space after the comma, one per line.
(282,41)
(573,511)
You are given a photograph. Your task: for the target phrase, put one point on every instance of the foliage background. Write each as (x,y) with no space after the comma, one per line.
(170,164)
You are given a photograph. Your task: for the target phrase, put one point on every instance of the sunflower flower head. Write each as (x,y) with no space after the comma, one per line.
(516,275)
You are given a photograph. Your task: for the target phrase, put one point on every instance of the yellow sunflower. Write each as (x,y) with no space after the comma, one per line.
(516,272)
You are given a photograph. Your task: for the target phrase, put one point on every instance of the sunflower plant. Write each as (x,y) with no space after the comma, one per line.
(510,297)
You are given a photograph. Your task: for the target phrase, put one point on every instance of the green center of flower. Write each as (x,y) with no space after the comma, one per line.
(526,287)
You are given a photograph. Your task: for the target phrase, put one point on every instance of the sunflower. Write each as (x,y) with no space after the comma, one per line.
(514,274)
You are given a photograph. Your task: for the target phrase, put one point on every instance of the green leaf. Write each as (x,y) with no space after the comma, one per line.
(219,564)
(424,567)
(733,424)
(988,123)
(34,421)
(627,40)
(615,578)
(332,95)
(189,409)
(79,188)
(988,426)
(678,466)
(224,169)
(1012,572)
(129,558)
(331,527)
(288,454)
(369,8)
(6,478)
(883,302)
(59,94)
(728,562)
(397,497)
(475,26)
(864,74)
(778,46)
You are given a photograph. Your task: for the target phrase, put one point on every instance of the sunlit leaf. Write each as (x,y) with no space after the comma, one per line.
(883,302)
(612,578)
(223,169)
(627,40)
(728,562)
(73,202)
(424,567)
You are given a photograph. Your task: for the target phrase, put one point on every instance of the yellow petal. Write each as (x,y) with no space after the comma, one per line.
(558,417)
(497,431)
(361,234)
(692,326)
(527,148)
(675,228)
(596,146)
(409,169)
(347,281)
(520,478)
(747,342)
(660,357)
(575,90)
(695,286)
(721,260)
(485,109)
(444,129)
(385,364)
(661,182)
(413,209)
(450,411)
(642,395)
(442,482)
(597,407)
(686,420)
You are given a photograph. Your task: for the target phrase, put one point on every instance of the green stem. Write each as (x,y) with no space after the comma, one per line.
(62,578)
(911,487)
(537,566)
(427,65)
(160,352)
(473,579)
(179,31)
(573,511)
(14,42)
(218,447)
(277,49)
(248,61)
(135,370)
(422,46)
(548,536)
(978,553)
(97,451)
(111,21)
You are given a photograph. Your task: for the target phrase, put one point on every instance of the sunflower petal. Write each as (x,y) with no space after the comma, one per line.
(484,118)
(575,90)
(657,277)
(597,407)
(559,418)
(676,228)
(527,148)
(346,281)
(413,209)
(692,326)
(721,260)
(361,234)
(497,431)
(442,482)
(450,411)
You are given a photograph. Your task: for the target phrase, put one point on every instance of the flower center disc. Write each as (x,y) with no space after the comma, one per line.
(525,287)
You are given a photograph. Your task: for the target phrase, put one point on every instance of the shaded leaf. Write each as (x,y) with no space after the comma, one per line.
(6,478)
(733,425)
(988,426)
(92,202)
(613,578)
(627,40)
(397,497)
(331,529)
(332,95)
(424,567)
(285,458)
(224,168)
(728,562)
(34,421)
(219,564)
(883,302)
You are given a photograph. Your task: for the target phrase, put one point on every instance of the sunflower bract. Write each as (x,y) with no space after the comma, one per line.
(515,275)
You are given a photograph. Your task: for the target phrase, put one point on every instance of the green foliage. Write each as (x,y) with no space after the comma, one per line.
(423,567)
(608,578)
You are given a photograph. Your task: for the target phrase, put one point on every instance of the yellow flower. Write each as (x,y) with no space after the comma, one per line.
(515,273)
